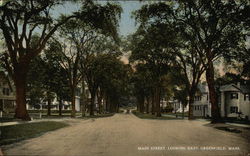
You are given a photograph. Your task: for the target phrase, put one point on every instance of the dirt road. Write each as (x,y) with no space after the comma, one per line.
(127,135)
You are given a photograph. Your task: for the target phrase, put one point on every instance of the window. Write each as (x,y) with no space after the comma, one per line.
(197,98)
(6,91)
(234,95)
(246,97)
(233,109)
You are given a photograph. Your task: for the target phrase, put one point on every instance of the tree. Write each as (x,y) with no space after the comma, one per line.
(83,38)
(191,67)
(99,69)
(21,19)
(152,46)
(212,27)
(143,87)
(45,80)
(54,77)
(107,76)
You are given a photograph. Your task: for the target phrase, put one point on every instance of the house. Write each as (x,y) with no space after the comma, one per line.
(66,105)
(235,101)
(7,93)
(201,105)
(178,106)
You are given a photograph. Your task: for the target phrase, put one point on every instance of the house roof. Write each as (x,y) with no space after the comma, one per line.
(202,89)
(4,78)
(235,88)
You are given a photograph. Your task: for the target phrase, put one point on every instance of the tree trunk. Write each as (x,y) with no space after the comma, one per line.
(49,106)
(153,104)
(141,104)
(215,111)
(138,107)
(147,107)
(104,104)
(84,98)
(99,99)
(191,100)
(21,111)
(73,102)
(107,104)
(158,102)
(92,103)
(60,107)
(191,106)
(111,103)
(182,110)
(117,107)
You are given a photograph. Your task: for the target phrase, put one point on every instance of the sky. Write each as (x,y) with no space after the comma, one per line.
(127,23)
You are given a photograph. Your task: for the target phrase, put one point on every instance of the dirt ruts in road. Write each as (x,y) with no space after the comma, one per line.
(125,135)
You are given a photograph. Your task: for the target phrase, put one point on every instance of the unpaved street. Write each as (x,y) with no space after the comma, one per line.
(123,134)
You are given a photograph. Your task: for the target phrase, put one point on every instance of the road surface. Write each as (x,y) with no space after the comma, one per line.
(127,135)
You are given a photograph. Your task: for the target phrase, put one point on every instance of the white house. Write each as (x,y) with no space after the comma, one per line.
(201,105)
(7,94)
(235,101)
(66,105)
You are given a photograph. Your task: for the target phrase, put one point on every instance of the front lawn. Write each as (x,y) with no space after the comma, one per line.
(14,133)
(98,115)
(150,116)
(178,114)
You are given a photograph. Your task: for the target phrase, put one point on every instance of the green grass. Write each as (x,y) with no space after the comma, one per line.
(8,119)
(121,111)
(14,133)
(99,116)
(150,116)
(179,114)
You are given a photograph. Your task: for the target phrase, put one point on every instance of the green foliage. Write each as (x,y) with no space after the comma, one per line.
(46,77)
(14,133)
(143,82)
(211,28)
(229,78)
(110,74)
(217,25)
(150,116)
(103,18)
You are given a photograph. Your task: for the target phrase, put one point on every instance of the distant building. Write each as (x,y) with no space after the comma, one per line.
(7,93)
(235,101)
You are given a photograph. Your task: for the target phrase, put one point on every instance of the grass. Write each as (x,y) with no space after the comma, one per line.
(178,114)
(15,133)
(150,116)
(233,120)
(233,130)
(8,119)
(99,116)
